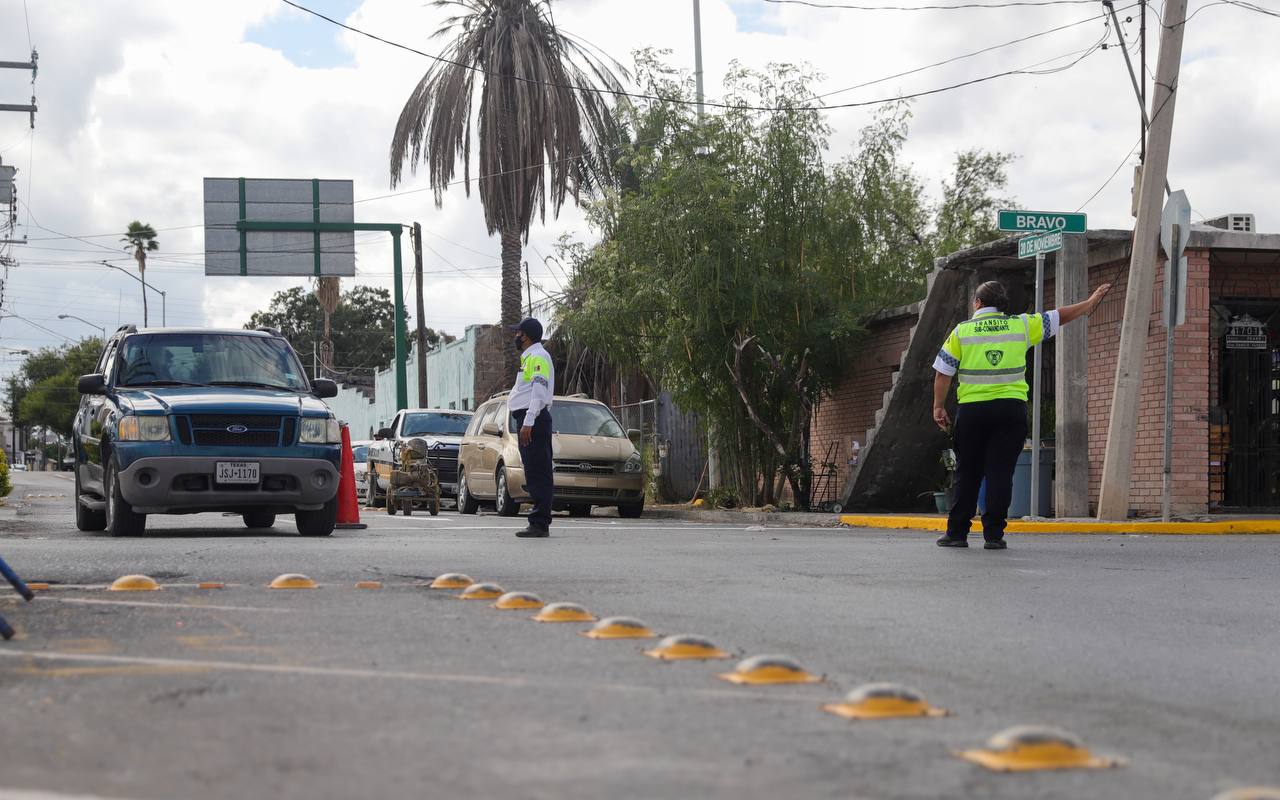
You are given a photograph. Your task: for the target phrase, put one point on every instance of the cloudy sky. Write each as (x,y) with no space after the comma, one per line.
(141,99)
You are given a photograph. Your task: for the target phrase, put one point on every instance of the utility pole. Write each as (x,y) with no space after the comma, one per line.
(1142,96)
(713,454)
(1117,466)
(416,236)
(31,65)
(528,290)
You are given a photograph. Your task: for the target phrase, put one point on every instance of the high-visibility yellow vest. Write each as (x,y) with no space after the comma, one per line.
(535,367)
(990,354)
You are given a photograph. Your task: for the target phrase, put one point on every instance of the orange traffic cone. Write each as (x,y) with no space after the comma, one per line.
(348,507)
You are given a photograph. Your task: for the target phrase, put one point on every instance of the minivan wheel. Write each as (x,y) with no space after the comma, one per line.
(319,522)
(121,520)
(505,505)
(467,503)
(87,519)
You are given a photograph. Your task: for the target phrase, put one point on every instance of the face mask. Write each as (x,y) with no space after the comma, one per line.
(519,345)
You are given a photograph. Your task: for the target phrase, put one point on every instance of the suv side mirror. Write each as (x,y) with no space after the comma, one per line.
(323,387)
(491,429)
(634,435)
(95,383)
(384,433)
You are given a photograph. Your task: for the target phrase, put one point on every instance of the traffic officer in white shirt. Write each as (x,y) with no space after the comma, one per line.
(530,403)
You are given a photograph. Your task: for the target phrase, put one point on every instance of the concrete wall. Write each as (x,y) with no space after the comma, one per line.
(454,373)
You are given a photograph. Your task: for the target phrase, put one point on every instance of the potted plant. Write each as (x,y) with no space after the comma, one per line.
(942,497)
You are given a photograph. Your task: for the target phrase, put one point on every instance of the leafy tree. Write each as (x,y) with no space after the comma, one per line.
(737,267)
(539,124)
(967,215)
(140,239)
(46,387)
(362,326)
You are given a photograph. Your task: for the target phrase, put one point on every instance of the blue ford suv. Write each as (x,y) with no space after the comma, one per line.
(181,421)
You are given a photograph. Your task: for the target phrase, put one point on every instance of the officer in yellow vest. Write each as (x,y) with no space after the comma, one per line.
(989,353)
(530,401)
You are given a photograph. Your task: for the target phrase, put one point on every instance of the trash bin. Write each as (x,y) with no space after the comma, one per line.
(1020,505)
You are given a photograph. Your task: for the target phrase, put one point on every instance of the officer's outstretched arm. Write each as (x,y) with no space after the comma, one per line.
(1085,307)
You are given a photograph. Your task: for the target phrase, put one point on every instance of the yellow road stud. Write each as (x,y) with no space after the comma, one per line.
(134,583)
(564,612)
(883,701)
(451,580)
(293,581)
(481,591)
(1250,793)
(211,585)
(512,600)
(619,628)
(768,670)
(1029,748)
(368,584)
(686,648)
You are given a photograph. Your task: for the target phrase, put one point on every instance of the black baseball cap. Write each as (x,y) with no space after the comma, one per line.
(529,327)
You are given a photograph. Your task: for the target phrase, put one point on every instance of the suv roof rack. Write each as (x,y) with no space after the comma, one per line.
(128,327)
(272,331)
(582,395)
(502,393)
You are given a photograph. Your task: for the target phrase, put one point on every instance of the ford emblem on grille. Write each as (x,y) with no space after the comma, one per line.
(237,429)
(585,467)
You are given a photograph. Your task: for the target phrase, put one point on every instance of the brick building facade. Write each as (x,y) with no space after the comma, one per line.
(1216,465)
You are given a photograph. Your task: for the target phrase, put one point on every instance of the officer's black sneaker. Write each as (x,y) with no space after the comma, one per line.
(995,544)
(947,541)
(533,532)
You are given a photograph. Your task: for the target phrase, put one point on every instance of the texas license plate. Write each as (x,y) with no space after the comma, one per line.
(236,472)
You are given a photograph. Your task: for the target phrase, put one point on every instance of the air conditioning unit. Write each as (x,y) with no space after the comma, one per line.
(1240,223)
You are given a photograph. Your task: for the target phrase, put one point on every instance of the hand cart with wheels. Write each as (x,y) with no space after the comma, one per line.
(416,483)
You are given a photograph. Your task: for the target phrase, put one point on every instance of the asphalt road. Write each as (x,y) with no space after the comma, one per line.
(1162,650)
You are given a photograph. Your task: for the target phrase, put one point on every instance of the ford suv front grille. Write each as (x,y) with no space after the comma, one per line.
(237,430)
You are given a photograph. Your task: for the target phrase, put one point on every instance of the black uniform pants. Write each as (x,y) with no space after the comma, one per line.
(539,475)
(988,438)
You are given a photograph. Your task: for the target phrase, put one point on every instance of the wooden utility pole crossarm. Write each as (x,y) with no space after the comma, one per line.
(1117,467)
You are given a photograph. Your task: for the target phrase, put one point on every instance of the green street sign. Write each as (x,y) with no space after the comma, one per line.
(1029,246)
(1042,222)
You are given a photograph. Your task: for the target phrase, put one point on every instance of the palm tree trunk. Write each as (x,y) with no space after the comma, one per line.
(511,291)
(142,272)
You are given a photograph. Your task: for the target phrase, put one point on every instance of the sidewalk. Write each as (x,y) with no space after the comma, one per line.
(1215,525)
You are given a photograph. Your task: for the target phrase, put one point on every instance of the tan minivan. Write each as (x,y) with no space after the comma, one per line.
(596,461)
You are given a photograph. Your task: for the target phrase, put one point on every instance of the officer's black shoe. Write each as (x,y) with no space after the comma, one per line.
(533,532)
(947,541)
(995,544)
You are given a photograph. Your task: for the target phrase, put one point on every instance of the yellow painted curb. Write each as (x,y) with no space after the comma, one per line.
(939,524)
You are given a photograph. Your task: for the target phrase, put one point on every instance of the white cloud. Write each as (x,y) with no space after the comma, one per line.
(140,99)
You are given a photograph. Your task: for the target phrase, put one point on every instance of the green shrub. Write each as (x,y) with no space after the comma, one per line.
(5,486)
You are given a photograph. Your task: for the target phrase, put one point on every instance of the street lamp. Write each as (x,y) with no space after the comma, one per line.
(163,316)
(86,322)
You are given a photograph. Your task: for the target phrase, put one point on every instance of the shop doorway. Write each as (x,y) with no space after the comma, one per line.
(1250,400)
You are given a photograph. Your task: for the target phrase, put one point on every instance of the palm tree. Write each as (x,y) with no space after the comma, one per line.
(141,239)
(543,113)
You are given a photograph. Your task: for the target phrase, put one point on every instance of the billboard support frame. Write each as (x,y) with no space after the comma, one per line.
(396,230)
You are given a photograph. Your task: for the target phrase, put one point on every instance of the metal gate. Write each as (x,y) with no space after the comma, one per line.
(1251,396)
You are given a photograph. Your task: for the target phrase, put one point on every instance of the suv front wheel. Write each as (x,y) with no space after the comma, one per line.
(467,503)
(319,522)
(121,519)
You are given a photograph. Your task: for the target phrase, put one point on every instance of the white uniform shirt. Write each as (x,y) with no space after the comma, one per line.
(534,384)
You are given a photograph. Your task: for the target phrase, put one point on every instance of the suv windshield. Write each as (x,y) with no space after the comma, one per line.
(437,422)
(584,419)
(202,359)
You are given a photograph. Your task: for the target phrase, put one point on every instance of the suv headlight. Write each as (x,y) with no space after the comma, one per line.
(320,430)
(143,429)
(632,464)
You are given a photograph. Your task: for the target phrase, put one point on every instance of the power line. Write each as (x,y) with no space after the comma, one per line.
(659,98)
(1009,4)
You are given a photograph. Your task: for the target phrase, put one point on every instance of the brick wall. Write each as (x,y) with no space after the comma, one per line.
(849,412)
(1190,484)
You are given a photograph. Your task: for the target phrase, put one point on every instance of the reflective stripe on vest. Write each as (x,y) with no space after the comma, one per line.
(993,358)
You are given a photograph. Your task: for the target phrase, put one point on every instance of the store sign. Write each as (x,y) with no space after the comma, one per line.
(1247,333)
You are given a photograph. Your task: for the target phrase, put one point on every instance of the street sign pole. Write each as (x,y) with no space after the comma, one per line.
(1035,397)
(395,229)
(1171,278)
